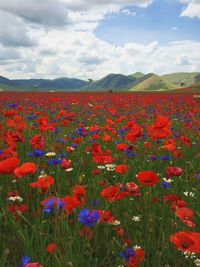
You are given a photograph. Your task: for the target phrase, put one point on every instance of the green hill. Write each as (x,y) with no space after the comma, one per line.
(153,82)
(182,79)
(137,75)
(115,82)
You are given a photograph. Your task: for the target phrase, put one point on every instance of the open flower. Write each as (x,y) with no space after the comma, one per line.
(88,218)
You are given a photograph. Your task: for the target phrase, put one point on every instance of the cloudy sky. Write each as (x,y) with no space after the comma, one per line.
(91,38)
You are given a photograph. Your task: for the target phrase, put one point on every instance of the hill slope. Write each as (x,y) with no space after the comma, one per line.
(182,79)
(152,83)
(112,81)
(115,82)
(42,84)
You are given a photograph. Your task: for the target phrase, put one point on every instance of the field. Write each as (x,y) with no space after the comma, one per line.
(99,179)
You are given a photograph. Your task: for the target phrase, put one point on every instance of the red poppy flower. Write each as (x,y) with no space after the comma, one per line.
(171,198)
(120,147)
(8,165)
(113,193)
(34,264)
(99,157)
(173,171)
(70,203)
(106,137)
(105,216)
(79,193)
(43,183)
(134,133)
(137,259)
(132,189)
(187,241)
(28,167)
(122,169)
(148,178)
(66,164)
(51,247)
(186,215)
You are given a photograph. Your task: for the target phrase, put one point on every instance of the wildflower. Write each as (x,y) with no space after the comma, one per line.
(110,167)
(197,262)
(50,154)
(148,178)
(127,253)
(188,194)
(136,218)
(186,216)
(186,241)
(52,204)
(88,218)
(54,161)
(43,182)
(51,247)
(7,166)
(122,169)
(26,168)
(113,193)
(165,185)
(25,260)
(173,171)
(165,157)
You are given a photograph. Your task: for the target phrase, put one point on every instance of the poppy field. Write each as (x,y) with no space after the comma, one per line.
(99,179)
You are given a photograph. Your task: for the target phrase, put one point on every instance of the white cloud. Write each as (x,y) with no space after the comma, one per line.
(128,12)
(192,8)
(81,54)
(14,32)
(67,45)
(45,12)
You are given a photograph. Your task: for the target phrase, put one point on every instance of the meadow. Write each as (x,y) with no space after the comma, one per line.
(99,179)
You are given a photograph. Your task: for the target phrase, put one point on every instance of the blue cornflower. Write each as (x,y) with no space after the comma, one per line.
(38,153)
(74,145)
(153,158)
(80,131)
(31,117)
(25,260)
(12,105)
(129,152)
(165,185)
(57,129)
(158,141)
(62,155)
(60,140)
(127,253)
(144,136)
(1,152)
(198,176)
(54,161)
(88,218)
(51,203)
(165,157)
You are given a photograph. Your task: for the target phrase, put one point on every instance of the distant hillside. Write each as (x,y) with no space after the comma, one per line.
(42,84)
(116,82)
(7,82)
(182,79)
(137,75)
(152,82)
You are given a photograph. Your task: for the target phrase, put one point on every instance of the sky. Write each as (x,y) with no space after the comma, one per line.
(92,38)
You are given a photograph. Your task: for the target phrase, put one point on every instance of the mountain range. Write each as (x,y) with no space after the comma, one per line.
(112,82)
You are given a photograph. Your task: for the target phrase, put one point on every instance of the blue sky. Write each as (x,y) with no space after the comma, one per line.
(92,38)
(161,22)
